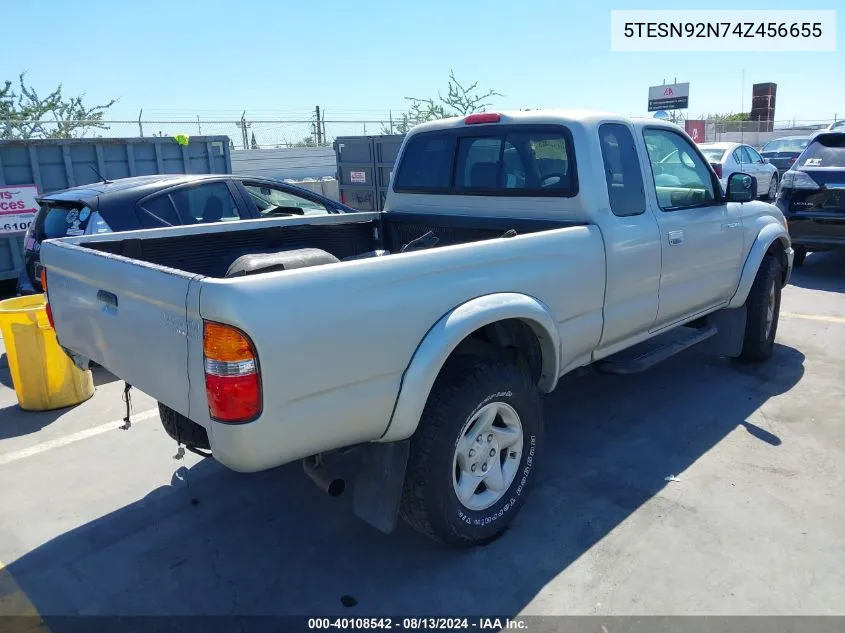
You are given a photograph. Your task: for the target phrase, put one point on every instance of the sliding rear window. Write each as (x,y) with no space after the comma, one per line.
(490,161)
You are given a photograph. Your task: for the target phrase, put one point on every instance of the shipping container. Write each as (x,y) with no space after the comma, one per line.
(52,165)
(364,169)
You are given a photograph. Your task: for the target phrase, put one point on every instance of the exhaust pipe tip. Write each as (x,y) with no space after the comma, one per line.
(326,480)
(336,487)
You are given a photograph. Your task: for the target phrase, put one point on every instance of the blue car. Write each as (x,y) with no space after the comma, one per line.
(145,202)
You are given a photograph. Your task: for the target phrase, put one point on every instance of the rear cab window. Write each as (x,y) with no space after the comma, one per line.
(516,160)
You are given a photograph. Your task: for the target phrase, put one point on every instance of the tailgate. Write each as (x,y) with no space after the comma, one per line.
(128,316)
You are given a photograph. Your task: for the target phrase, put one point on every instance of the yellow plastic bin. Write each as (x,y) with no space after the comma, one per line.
(43,375)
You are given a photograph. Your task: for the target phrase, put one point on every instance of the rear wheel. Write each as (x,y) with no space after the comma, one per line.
(182,429)
(763,306)
(800,256)
(474,454)
(773,187)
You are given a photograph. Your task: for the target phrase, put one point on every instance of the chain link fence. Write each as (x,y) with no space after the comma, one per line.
(758,133)
(246,133)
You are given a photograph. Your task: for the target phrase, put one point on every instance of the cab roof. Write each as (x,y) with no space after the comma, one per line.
(581,118)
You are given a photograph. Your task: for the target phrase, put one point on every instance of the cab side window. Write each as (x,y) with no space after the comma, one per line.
(681,177)
(622,170)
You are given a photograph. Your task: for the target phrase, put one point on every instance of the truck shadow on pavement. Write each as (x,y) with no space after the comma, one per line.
(821,271)
(271,543)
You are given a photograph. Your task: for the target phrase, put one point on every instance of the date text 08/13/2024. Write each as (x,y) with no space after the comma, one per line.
(416,623)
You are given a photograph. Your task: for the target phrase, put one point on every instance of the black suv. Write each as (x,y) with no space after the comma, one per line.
(812,196)
(145,202)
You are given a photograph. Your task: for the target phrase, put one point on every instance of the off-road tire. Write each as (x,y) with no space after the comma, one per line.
(182,429)
(800,256)
(429,502)
(757,344)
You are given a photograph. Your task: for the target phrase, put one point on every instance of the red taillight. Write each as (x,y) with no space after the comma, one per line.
(717,167)
(482,117)
(46,298)
(343,198)
(232,383)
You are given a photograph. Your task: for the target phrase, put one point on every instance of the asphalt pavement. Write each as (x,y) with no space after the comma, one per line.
(700,487)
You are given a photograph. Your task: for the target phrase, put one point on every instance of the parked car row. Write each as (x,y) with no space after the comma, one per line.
(732,158)
(146,202)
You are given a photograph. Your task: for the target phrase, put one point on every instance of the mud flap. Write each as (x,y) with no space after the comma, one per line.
(379,482)
(731,326)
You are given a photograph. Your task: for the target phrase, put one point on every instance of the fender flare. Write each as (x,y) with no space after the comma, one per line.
(452,328)
(765,238)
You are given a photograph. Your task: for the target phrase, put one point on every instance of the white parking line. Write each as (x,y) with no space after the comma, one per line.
(814,317)
(73,437)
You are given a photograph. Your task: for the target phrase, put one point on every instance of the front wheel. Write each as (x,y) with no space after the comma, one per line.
(763,305)
(474,455)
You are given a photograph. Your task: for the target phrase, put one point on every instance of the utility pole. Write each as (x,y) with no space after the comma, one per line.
(244,136)
(140,124)
(319,127)
(199,127)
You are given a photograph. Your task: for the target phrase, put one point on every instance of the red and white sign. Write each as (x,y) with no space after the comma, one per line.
(17,208)
(695,128)
(358,177)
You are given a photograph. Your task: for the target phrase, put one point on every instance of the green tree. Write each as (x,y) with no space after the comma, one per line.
(459,100)
(306,141)
(24,114)
(725,118)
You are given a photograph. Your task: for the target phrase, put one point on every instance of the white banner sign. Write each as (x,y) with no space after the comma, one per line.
(17,208)
(671,97)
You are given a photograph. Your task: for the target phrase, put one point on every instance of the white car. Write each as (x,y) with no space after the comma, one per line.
(729,158)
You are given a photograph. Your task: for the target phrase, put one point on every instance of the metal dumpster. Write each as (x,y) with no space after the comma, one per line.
(57,164)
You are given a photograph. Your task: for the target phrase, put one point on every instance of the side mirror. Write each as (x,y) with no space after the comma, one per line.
(741,188)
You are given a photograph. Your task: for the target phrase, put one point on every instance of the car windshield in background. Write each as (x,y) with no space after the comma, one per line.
(712,154)
(826,150)
(55,222)
(785,145)
(272,201)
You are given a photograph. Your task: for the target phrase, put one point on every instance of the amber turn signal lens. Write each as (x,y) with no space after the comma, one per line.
(225,343)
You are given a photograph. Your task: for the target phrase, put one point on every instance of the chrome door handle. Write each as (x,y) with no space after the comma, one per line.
(675,237)
(731,225)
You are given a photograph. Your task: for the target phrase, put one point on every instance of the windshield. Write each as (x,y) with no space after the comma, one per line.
(785,145)
(826,150)
(274,201)
(713,154)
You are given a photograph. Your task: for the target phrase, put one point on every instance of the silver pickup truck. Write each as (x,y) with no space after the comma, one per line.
(513,249)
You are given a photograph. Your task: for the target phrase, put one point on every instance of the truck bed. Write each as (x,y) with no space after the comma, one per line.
(136,303)
(211,253)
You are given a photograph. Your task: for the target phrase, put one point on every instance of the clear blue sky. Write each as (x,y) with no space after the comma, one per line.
(358,59)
